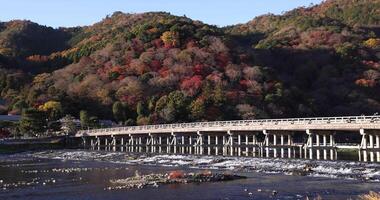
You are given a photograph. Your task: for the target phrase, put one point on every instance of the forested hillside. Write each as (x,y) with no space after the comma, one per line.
(154,67)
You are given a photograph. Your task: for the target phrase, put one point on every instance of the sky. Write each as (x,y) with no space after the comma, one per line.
(69,13)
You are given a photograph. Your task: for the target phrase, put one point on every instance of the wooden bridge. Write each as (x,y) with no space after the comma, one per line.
(286,138)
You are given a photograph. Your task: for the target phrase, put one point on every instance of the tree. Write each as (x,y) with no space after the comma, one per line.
(68,125)
(219,97)
(84,119)
(52,108)
(372,43)
(170,39)
(93,122)
(192,85)
(141,109)
(118,112)
(32,122)
(197,109)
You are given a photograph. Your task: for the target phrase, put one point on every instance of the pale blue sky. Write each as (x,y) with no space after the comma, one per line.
(67,13)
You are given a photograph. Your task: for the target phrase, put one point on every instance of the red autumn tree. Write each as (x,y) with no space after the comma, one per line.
(192,85)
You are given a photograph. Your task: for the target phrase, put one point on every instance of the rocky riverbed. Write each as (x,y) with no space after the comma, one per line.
(174,177)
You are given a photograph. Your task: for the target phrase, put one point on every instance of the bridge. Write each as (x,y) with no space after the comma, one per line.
(307,138)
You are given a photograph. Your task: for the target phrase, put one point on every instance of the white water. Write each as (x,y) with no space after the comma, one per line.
(332,169)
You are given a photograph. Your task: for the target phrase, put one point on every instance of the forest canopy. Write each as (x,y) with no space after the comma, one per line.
(155,67)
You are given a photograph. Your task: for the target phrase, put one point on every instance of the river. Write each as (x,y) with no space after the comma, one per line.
(83,174)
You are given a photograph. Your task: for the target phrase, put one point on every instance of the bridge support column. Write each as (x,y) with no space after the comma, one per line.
(183,144)
(174,142)
(239,145)
(209,144)
(324,145)
(92,144)
(290,139)
(224,142)
(230,142)
(98,142)
(159,144)
(149,144)
(266,143)
(282,144)
(190,145)
(333,155)
(363,146)
(275,145)
(309,144)
(254,142)
(371,145)
(216,145)
(131,143)
(168,144)
(246,145)
(318,146)
(113,143)
(378,148)
(106,143)
(84,142)
(199,143)
(122,144)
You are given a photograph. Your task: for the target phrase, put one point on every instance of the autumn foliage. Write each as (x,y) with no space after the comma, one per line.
(154,67)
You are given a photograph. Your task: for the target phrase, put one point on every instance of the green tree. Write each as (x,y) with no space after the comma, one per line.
(118,111)
(93,122)
(197,109)
(219,97)
(141,109)
(84,119)
(19,105)
(32,122)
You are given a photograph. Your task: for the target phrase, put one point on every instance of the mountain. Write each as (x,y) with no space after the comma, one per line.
(154,67)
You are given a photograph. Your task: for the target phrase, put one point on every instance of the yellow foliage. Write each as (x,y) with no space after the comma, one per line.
(40,78)
(372,43)
(170,38)
(5,51)
(50,106)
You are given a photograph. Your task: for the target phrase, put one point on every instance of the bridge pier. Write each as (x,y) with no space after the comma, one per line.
(317,147)
(279,143)
(370,144)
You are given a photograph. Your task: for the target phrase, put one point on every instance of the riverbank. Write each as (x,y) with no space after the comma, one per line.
(9,146)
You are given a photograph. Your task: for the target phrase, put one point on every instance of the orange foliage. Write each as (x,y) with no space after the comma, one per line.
(37,58)
(365,83)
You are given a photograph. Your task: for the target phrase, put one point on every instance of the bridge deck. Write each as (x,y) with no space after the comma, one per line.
(348,123)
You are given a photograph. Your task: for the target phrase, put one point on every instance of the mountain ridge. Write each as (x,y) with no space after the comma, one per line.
(162,68)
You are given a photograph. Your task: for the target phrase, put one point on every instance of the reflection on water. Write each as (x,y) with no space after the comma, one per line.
(85,175)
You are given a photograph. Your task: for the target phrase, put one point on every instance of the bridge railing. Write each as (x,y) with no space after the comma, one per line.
(258,122)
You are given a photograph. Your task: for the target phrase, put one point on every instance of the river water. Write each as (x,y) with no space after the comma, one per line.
(83,174)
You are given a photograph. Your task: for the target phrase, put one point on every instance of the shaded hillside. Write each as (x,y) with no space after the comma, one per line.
(159,68)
